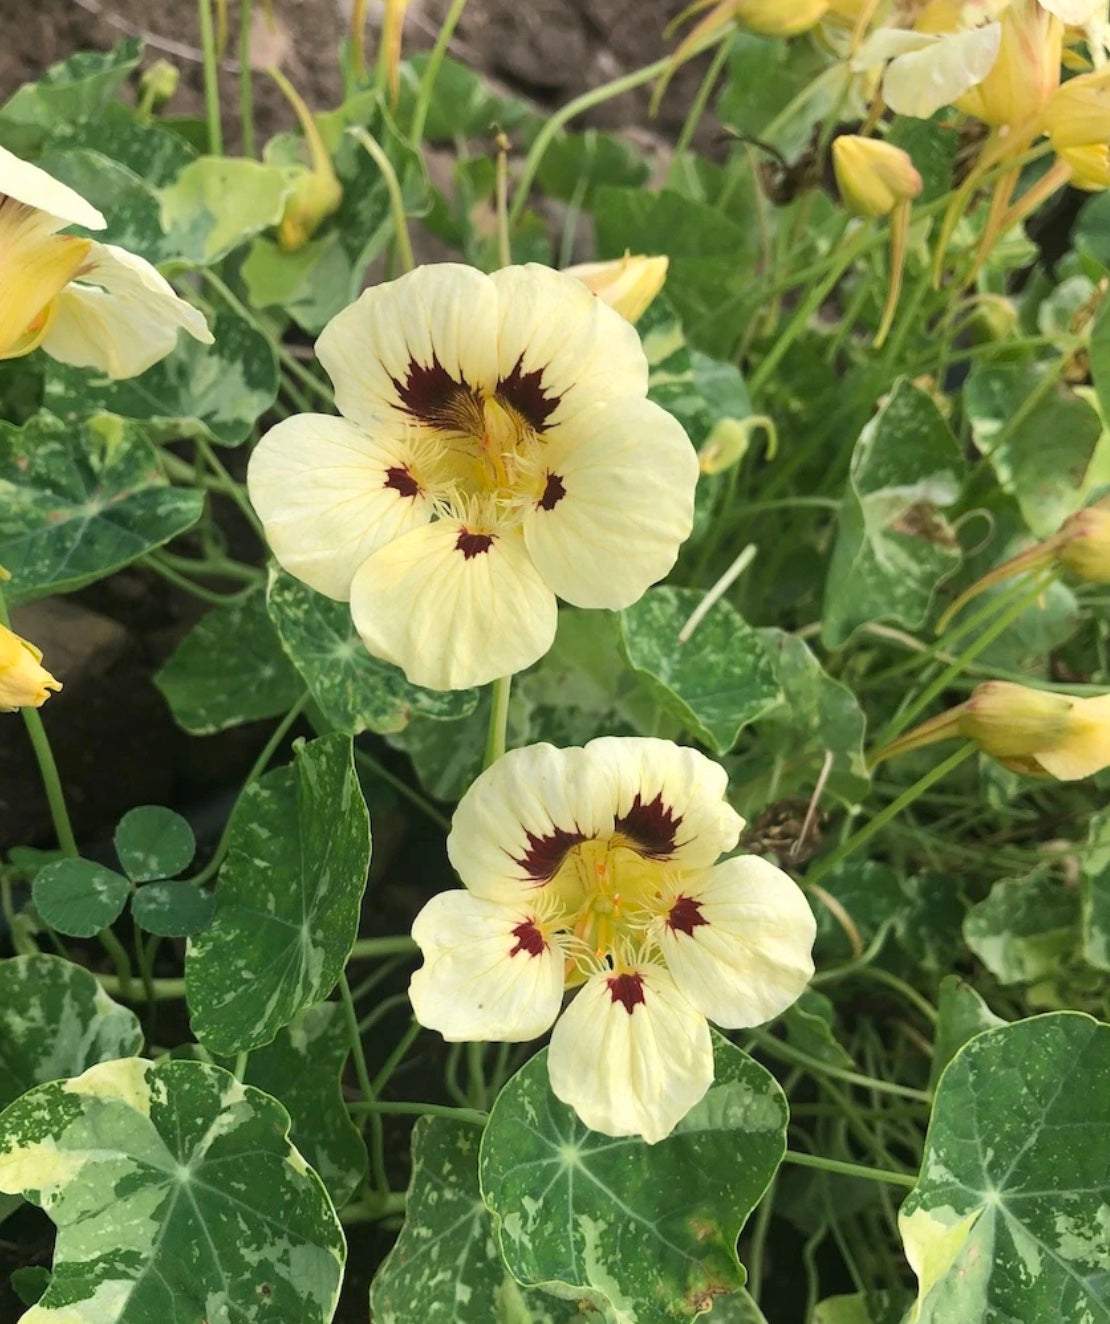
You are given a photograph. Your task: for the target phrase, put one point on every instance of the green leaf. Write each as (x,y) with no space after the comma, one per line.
(648,1231)
(445,1267)
(1024,927)
(716,682)
(932,146)
(76,505)
(894,544)
(154,842)
(1008,1220)
(311,284)
(176,1195)
(1096,894)
(861,1308)
(810,1026)
(872,895)
(229,669)
(79,898)
(216,392)
(30,1283)
(129,203)
(765,77)
(463,103)
(219,202)
(287,901)
(355,691)
(57,1021)
(961,1015)
(576,164)
(173,909)
(155,154)
(930,922)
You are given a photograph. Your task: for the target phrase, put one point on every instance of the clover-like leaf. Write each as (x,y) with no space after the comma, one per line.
(57,1021)
(173,909)
(287,901)
(78,897)
(716,681)
(176,1195)
(154,842)
(1008,1217)
(647,1231)
(355,691)
(77,504)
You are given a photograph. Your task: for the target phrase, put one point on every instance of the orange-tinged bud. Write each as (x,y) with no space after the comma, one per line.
(873,176)
(629,284)
(24,683)
(1035,732)
(1085,543)
(1027,71)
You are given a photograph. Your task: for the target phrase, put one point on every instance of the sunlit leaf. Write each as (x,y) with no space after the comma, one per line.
(1023,928)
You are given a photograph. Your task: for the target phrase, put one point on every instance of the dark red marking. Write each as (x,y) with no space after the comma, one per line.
(553,492)
(524,392)
(628,990)
(430,394)
(528,939)
(402,481)
(652,826)
(544,855)
(685,915)
(473,544)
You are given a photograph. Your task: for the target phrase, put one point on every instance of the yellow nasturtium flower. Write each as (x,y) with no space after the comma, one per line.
(629,284)
(496,448)
(24,682)
(1077,120)
(596,869)
(88,304)
(1027,70)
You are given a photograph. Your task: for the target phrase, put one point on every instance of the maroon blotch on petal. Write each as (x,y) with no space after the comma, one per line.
(554,491)
(524,392)
(685,915)
(651,827)
(402,481)
(545,854)
(429,393)
(473,544)
(528,939)
(627,989)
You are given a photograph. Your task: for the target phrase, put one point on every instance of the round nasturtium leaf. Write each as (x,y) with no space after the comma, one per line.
(645,1231)
(1010,1217)
(79,898)
(55,1021)
(176,1195)
(153,842)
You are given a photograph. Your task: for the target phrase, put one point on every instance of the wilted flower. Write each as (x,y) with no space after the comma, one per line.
(92,305)
(873,176)
(316,192)
(24,683)
(597,868)
(628,284)
(496,449)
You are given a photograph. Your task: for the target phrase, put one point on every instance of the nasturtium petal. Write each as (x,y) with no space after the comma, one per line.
(1010,1216)
(287,900)
(77,504)
(647,1232)
(56,1021)
(176,1195)
(154,842)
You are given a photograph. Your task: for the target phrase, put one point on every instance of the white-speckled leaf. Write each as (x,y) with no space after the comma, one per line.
(894,544)
(177,1197)
(287,901)
(356,692)
(55,1021)
(217,203)
(961,1015)
(78,897)
(1010,1218)
(716,682)
(154,842)
(77,504)
(645,1231)
(1096,894)
(1024,926)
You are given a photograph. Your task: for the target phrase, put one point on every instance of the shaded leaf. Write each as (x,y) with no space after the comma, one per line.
(961,1015)
(173,909)
(154,842)
(810,1026)
(79,898)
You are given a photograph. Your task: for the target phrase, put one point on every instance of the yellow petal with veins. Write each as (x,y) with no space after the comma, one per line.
(35,266)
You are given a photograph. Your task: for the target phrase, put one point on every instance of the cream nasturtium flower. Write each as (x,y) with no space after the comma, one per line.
(87,304)
(496,449)
(596,868)
(629,284)
(24,682)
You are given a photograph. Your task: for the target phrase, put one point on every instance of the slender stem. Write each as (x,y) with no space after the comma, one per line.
(120,960)
(163,990)
(504,242)
(246,77)
(907,991)
(241,1061)
(357,64)
(849,1169)
(381,1011)
(51,782)
(367,948)
(472,1115)
(700,101)
(403,788)
(431,71)
(209,595)
(228,485)
(892,810)
(795,1056)
(396,198)
(211,79)
(377,1207)
(498,720)
(396,1057)
(358,1055)
(762,1224)
(477,1073)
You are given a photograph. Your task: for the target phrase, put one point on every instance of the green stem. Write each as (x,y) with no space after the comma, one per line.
(229,486)
(358,1055)
(431,72)
(378,1206)
(498,720)
(907,991)
(788,1053)
(849,1169)
(477,1072)
(473,1115)
(51,782)
(119,958)
(700,101)
(241,1061)
(211,79)
(396,198)
(163,990)
(396,1057)
(367,948)
(246,77)
(403,788)
(210,595)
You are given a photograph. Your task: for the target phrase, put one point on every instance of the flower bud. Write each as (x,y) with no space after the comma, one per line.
(780,18)
(158,83)
(628,284)
(873,176)
(1027,71)
(23,682)
(315,196)
(1085,543)
(1038,733)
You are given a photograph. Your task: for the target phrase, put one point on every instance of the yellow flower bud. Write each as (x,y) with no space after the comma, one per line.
(1085,543)
(873,176)
(780,18)
(1038,733)
(628,284)
(1027,71)
(23,682)
(315,196)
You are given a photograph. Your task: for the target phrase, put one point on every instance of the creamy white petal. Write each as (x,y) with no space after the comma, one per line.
(452,607)
(1075,12)
(630,1055)
(329,494)
(886,44)
(33,187)
(739,942)
(617,505)
(407,345)
(920,82)
(120,315)
(559,349)
(489,972)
